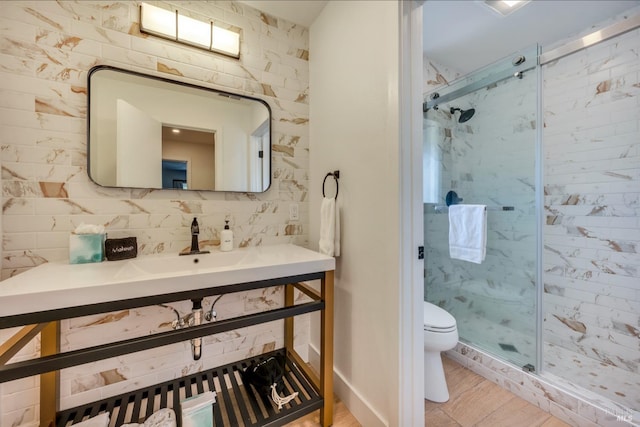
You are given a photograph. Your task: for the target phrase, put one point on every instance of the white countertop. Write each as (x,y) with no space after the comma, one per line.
(53,285)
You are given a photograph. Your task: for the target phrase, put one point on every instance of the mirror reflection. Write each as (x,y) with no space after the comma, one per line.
(149,132)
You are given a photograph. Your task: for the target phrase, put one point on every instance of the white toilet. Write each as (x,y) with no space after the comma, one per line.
(440,334)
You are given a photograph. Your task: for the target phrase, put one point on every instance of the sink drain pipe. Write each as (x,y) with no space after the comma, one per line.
(196,316)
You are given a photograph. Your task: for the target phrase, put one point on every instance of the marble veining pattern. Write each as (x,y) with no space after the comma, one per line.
(47,49)
(436,75)
(591,232)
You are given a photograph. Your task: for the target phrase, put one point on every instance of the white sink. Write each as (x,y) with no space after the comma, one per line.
(188,263)
(54,285)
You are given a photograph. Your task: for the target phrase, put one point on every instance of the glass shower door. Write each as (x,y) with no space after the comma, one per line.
(480,143)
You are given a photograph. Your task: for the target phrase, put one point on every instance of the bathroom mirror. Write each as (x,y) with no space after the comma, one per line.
(149,132)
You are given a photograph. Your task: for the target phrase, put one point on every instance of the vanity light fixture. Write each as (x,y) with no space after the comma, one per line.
(183,29)
(505,7)
(194,32)
(157,21)
(225,41)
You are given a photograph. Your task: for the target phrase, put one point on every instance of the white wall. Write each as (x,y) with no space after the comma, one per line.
(354,127)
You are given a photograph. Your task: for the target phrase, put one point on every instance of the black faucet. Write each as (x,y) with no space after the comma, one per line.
(195,247)
(195,230)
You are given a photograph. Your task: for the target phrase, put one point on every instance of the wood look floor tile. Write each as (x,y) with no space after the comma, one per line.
(473,405)
(474,402)
(341,418)
(436,417)
(515,412)
(459,378)
(554,422)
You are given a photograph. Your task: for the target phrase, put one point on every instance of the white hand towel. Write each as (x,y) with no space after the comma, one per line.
(336,236)
(329,243)
(468,232)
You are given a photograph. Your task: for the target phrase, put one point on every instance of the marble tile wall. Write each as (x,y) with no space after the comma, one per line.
(46,49)
(592,209)
(435,75)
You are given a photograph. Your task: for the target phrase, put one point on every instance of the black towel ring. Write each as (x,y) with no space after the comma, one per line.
(336,176)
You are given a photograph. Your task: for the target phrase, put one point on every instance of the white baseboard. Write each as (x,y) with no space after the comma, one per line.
(352,399)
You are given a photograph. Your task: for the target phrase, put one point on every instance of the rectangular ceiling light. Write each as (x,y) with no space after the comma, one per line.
(157,21)
(183,29)
(194,32)
(505,7)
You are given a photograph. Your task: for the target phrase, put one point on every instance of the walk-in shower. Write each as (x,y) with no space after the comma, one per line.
(552,151)
(489,160)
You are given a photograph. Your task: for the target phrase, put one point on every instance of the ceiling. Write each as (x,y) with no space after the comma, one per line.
(466,35)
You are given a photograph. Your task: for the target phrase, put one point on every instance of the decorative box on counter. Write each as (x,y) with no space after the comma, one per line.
(86,244)
(117,249)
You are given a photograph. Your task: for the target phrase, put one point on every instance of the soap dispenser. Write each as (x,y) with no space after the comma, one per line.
(226,238)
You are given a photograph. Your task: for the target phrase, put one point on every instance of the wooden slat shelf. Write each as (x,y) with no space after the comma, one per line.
(236,404)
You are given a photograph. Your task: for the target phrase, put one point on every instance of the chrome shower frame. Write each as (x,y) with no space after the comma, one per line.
(523,60)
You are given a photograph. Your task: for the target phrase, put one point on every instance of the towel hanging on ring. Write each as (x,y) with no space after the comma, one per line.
(329,243)
(336,176)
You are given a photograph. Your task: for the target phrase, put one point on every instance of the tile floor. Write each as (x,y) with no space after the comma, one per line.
(474,402)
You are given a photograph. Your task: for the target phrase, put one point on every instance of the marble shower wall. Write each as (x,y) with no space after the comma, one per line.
(46,50)
(435,75)
(592,209)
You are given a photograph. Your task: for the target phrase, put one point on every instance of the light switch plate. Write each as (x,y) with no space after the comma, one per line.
(293,212)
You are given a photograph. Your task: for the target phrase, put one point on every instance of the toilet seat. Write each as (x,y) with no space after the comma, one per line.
(437,319)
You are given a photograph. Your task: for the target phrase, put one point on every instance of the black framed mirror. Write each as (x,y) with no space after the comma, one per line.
(146,131)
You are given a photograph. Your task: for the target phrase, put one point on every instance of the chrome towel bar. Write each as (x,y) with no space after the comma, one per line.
(443,208)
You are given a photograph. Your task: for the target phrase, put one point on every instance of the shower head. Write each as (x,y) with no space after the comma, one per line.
(465,115)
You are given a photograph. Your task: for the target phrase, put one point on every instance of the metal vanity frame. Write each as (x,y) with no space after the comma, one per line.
(52,360)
